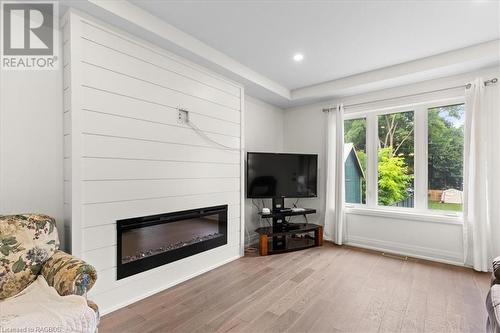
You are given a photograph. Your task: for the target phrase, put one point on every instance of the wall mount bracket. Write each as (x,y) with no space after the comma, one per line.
(183,116)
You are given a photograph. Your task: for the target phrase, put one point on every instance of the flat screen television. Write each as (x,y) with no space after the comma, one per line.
(273,175)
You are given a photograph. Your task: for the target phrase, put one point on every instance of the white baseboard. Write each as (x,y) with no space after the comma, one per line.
(438,255)
(166,286)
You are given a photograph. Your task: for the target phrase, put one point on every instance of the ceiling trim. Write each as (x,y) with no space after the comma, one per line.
(143,24)
(162,29)
(444,64)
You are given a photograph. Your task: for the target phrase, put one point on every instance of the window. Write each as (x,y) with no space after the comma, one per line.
(395,159)
(445,157)
(406,157)
(355,160)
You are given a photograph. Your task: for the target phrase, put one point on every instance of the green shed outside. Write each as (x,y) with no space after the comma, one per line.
(354,175)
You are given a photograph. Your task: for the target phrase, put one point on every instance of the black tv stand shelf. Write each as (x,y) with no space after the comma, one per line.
(283,236)
(286,213)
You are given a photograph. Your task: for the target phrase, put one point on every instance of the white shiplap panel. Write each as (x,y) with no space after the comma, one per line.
(105,236)
(106,102)
(115,169)
(67,145)
(110,191)
(67,122)
(105,257)
(101,78)
(132,158)
(105,124)
(233,236)
(67,100)
(66,32)
(160,59)
(102,258)
(109,292)
(66,54)
(99,237)
(108,213)
(102,146)
(67,169)
(66,77)
(121,63)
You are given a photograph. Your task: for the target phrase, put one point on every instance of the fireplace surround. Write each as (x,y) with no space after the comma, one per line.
(147,242)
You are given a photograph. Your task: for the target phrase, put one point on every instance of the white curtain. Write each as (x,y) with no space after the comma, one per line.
(334,198)
(481,175)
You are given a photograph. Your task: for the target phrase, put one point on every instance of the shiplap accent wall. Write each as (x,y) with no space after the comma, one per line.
(126,155)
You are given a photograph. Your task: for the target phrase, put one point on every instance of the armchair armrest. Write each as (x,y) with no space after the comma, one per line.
(496,271)
(68,274)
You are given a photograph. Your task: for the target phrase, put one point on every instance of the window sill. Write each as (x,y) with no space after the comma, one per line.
(406,215)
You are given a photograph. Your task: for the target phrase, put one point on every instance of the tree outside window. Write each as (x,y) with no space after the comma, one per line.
(445,157)
(396,159)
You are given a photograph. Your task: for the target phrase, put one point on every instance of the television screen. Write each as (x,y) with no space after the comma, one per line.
(271,175)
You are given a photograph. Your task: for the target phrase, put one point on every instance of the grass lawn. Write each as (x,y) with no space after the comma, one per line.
(445,206)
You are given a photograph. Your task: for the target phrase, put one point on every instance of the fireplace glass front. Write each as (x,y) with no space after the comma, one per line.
(151,241)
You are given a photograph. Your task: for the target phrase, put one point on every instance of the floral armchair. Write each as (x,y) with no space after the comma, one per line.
(29,246)
(493,300)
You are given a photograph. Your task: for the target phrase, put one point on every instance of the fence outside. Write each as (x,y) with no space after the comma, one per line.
(408,202)
(435,195)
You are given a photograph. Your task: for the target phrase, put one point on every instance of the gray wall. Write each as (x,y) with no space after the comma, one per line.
(263,133)
(31,143)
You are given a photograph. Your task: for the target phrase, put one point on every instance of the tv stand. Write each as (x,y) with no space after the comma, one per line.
(286,236)
(279,205)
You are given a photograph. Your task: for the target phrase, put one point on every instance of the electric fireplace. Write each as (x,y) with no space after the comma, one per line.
(147,242)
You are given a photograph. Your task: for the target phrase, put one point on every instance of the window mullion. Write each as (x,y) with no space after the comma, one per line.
(372,161)
(420,160)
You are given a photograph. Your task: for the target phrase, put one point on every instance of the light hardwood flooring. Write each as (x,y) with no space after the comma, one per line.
(324,289)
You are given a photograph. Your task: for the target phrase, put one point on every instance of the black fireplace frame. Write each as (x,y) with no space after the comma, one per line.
(124,270)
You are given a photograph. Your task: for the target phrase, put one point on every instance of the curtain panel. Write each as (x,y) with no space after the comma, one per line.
(334,229)
(481,175)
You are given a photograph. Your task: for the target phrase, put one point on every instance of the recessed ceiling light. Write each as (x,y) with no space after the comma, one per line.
(298,57)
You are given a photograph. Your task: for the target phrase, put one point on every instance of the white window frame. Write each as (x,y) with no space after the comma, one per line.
(420,211)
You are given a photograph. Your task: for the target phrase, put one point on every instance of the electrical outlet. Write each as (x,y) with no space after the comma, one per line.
(183,117)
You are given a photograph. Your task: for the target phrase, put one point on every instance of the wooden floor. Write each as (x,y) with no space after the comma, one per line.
(326,289)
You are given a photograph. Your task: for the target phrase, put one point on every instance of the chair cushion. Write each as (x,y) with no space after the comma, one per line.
(26,242)
(39,308)
(496,270)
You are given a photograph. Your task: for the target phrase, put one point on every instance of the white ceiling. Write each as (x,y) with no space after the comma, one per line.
(337,38)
